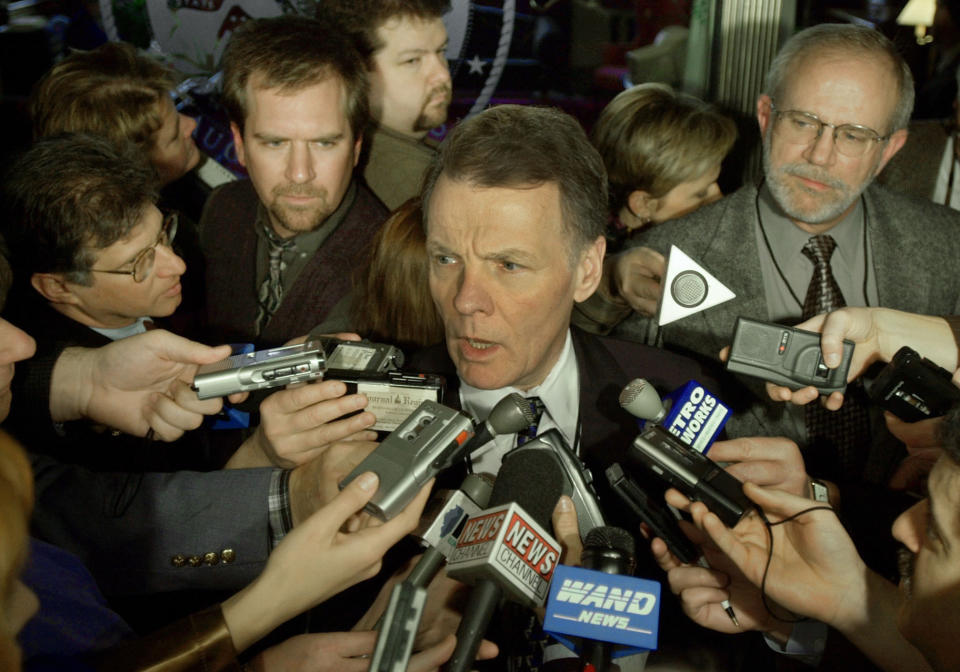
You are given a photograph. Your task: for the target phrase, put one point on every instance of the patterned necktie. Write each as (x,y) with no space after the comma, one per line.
(823,294)
(270,294)
(531,432)
(838,441)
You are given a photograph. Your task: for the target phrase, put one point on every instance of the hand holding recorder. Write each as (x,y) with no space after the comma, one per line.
(878,334)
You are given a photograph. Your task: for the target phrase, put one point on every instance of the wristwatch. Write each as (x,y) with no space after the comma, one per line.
(819,491)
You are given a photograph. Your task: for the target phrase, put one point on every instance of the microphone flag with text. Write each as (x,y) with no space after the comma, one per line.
(599,610)
(506,549)
(691,412)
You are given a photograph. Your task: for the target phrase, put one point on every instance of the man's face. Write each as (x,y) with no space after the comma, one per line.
(502,278)
(174,152)
(814,183)
(299,150)
(930,614)
(15,346)
(410,87)
(115,300)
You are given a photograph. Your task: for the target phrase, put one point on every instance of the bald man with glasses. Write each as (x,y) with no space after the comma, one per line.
(814,235)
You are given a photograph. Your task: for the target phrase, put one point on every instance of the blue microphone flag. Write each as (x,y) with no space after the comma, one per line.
(587,604)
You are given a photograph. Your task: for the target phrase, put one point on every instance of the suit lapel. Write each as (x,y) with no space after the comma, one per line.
(730,254)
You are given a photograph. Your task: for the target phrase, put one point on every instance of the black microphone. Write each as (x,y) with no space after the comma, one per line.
(510,415)
(609,550)
(534,481)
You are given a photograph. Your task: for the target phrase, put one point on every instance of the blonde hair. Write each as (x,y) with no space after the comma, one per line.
(112,91)
(16,502)
(653,138)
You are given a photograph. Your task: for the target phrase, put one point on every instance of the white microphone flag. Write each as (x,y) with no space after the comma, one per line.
(688,288)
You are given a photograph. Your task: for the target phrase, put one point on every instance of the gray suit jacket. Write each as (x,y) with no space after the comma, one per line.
(915,247)
(914,169)
(132,530)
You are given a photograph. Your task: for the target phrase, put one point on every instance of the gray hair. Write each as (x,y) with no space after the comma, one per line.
(850,39)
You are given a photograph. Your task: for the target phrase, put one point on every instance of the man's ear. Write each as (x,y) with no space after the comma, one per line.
(589,270)
(357,146)
(53,288)
(764,112)
(238,143)
(896,141)
(642,205)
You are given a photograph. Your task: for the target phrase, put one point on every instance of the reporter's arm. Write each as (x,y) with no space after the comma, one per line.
(878,334)
(815,571)
(138,532)
(291,582)
(132,383)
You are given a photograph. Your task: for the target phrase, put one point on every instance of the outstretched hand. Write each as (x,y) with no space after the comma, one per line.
(135,384)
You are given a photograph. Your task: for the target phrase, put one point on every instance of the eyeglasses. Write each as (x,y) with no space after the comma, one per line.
(143,262)
(802,128)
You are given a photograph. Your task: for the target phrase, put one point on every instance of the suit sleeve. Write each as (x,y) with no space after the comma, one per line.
(141,533)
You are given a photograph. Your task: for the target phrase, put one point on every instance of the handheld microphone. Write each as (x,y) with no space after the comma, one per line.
(609,550)
(691,412)
(577,479)
(511,414)
(442,523)
(430,440)
(599,610)
(506,548)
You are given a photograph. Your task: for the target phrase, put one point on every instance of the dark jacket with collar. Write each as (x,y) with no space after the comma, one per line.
(229,242)
(80,441)
(605,365)
(607,431)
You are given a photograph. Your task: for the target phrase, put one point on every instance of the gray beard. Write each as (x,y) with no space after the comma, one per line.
(783,194)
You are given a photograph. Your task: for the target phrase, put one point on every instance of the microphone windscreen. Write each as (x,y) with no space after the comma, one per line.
(614,538)
(512,414)
(609,549)
(641,400)
(534,480)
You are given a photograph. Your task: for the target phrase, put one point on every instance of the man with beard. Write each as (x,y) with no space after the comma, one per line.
(811,567)
(405,44)
(834,110)
(281,246)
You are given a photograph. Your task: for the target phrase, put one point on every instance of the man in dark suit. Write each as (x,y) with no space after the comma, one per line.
(514,216)
(834,111)
(514,237)
(281,247)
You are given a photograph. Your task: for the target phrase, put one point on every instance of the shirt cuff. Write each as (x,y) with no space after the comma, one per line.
(278,505)
(806,644)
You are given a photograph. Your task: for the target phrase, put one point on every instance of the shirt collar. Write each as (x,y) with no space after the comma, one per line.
(789,239)
(559,392)
(138,327)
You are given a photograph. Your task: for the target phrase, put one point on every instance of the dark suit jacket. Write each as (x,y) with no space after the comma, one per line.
(80,441)
(915,168)
(606,365)
(915,246)
(229,242)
